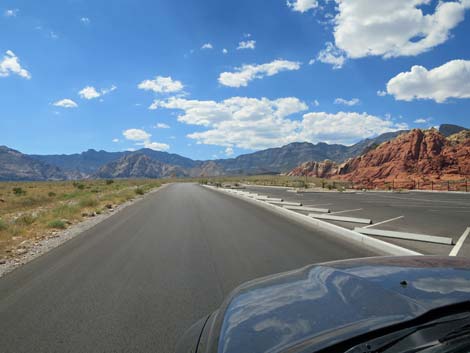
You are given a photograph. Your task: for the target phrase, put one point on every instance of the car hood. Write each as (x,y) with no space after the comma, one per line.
(320,305)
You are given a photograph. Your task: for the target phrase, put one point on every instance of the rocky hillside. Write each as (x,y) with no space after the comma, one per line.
(139,165)
(418,154)
(15,165)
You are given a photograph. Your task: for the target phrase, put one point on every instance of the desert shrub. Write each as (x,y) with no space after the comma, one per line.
(25,220)
(19,191)
(65,211)
(88,202)
(139,191)
(51,194)
(109,182)
(78,185)
(57,224)
(3,225)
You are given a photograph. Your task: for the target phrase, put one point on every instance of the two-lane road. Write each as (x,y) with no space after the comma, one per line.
(136,281)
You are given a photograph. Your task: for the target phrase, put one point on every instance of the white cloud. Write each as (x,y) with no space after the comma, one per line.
(142,138)
(90,92)
(115,140)
(316,103)
(11,65)
(344,127)
(247,44)
(421,121)
(451,80)
(332,55)
(311,61)
(225,51)
(350,103)
(207,46)
(85,20)
(65,103)
(381,93)
(229,151)
(156,146)
(161,85)
(53,35)
(136,135)
(253,123)
(11,12)
(395,27)
(162,126)
(243,75)
(302,5)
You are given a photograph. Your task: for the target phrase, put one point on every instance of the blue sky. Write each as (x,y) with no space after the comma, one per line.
(155,73)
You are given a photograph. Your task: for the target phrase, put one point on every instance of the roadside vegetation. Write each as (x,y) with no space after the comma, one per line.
(31,211)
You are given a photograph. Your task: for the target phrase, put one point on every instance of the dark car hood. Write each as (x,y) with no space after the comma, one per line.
(324,304)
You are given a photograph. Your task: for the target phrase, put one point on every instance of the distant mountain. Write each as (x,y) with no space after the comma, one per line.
(418,154)
(449,129)
(139,165)
(16,166)
(94,163)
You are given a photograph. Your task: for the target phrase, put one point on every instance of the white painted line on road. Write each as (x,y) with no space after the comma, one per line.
(340,218)
(292,204)
(344,234)
(407,236)
(268,199)
(308,209)
(458,246)
(386,221)
(345,211)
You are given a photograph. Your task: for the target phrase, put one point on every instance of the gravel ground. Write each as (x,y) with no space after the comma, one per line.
(57,238)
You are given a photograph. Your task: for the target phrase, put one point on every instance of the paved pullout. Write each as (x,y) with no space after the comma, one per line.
(136,281)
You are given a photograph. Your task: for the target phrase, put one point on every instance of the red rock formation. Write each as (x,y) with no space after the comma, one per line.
(417,155)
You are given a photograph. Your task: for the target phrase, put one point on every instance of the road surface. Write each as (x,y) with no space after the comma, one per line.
(136,281)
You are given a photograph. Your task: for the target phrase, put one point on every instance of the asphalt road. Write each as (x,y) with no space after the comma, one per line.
(136,281)
(430,213)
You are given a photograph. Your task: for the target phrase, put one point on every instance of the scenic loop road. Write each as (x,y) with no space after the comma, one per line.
(138,280)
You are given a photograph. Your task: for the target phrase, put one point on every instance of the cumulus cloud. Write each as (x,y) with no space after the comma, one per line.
(11,12)
(225,51)
(65,103)
(421,121)
(302,5)
(332,55)
(116,140)
(162,126)
(252,123)
(142,138)
(243,75)
(11,65)
(381,93)
(451,80)
(396,27)
(85,20)
(207,46)
(90,92)
(229,151)
(161,85)
(350,103)
(247,44)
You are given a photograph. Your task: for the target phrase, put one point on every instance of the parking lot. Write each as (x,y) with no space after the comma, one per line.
(436,221)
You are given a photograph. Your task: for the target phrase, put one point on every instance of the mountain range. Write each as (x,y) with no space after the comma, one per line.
(147,163)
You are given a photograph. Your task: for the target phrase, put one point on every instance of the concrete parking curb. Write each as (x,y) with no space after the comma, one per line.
(340,232)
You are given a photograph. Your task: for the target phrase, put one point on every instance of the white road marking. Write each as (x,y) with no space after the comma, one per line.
(386,221)
(287,203)
(356,209)
(340,218)
(308,209)
(458,246)
(403,235)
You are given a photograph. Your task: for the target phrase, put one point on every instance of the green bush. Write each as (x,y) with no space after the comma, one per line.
(88,202)
(78,185)
(19,191)
(139,191)
(109,182)
(57,224)
(65,211)
(51,194)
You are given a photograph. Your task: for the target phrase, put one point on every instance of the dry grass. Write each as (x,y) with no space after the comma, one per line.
(33,210)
